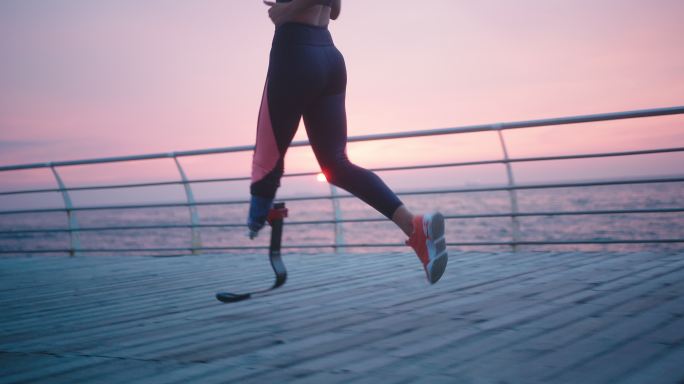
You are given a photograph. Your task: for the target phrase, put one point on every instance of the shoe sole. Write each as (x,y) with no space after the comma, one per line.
(436,231)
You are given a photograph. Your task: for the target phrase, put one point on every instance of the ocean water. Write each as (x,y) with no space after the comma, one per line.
(538,228)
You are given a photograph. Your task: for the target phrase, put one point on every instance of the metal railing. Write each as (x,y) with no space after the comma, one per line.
(195,225)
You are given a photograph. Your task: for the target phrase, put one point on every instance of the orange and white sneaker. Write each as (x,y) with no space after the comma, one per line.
(429,243)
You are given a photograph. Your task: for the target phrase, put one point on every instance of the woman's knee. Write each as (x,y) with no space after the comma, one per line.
(339,172)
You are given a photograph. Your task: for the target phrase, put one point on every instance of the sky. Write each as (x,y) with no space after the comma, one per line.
(82,79)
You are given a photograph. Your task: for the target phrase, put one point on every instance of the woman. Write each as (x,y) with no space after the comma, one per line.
(307,78)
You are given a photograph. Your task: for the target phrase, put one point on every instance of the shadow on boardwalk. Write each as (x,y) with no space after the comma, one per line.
(494,318)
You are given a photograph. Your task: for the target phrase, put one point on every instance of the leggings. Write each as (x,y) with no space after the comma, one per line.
(307,78)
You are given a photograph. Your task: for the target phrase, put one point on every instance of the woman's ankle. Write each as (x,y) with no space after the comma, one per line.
(403,218)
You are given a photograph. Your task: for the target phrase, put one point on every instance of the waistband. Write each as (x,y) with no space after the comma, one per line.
(292,33)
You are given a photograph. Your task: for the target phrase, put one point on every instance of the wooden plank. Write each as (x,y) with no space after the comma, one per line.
(340,318)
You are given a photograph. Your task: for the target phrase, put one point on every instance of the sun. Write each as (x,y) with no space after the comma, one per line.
(321,177)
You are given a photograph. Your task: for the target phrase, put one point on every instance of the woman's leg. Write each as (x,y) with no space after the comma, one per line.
(326,125)
(279,117)
(403,218)
(325,122)
(325,119)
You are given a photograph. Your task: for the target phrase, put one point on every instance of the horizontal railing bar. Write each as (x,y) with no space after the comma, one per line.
(383,136)
(126,228)
(527,159)
(24,212)
(523,242)
(405,193)
(527,123)
(600,154)
(357,245)
(379,169)
(138,185)
(150,184)
(119,186)
(116,159)
(545,186)
(360,220)
(569,213)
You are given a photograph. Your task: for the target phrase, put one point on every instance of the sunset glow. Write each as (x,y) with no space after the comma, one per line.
(109,78)
(321,178)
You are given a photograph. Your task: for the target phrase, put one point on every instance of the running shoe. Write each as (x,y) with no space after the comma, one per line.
(428,241)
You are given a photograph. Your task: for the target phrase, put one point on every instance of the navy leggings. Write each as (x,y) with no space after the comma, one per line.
(307,78)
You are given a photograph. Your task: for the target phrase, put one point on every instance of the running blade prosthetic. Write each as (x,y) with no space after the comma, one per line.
(275,219)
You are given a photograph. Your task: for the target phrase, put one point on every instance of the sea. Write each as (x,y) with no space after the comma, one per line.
(316,238)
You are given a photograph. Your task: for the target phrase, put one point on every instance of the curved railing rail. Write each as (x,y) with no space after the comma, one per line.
(195,225)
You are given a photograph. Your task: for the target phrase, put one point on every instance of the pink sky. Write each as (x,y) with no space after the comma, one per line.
(83,78)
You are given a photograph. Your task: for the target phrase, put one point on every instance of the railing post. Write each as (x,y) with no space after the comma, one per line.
(339,230)
(512,193)
(74,238)
(194,217)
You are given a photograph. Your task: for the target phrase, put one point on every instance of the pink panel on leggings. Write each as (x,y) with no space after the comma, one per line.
(266,153)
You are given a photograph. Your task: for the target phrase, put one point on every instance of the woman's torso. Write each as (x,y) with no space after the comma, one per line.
(318,15)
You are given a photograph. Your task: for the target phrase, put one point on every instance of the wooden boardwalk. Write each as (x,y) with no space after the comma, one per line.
(494,318)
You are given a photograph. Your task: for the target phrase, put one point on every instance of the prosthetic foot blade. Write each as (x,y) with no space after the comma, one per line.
(227,297)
